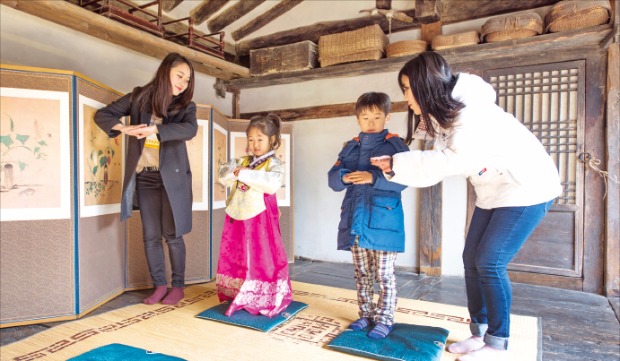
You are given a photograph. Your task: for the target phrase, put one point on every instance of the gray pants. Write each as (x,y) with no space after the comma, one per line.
(158,222)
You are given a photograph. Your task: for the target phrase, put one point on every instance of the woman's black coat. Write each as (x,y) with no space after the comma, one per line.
(173,159)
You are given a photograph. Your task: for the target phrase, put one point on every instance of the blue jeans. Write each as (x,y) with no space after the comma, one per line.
(494,238)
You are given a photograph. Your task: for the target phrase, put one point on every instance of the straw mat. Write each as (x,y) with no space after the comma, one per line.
(176,331)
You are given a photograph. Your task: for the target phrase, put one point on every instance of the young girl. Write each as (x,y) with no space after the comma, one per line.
(252,272)
(162,118)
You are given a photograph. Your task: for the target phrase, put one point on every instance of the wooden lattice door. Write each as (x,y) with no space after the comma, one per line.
(550,100)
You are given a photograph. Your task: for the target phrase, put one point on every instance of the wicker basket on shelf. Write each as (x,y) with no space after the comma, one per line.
(577,14)
(405,47)
(358,45)
(509,27)
(440,42)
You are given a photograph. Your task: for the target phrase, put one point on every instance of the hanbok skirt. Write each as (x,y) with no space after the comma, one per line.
(252,271)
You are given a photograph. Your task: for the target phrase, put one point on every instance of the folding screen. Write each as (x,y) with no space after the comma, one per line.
(220,155)
(100,234)
(64,250)
(37,230)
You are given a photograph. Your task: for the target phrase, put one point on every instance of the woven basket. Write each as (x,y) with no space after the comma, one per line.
(577,14)
(363,44)
(455,40)
(405,47)
(518,26)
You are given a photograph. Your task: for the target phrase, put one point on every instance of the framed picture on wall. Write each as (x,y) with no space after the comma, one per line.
(35,148)
(238,141)
(101,163)
(198,152)
(220,156)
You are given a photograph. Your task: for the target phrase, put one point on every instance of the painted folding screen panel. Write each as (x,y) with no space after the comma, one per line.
(36,195)
(100,166)
(219,155)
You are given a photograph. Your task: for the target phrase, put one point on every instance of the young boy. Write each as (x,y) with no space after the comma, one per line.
(371,220)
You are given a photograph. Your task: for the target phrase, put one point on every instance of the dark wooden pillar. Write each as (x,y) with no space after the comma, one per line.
(612,269)
(430,230)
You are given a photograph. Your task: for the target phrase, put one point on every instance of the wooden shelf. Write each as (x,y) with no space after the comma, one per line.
(579,41)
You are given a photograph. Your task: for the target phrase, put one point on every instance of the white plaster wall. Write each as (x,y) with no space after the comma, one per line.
(453,220)
(31,41)
(317,143)
(317,207)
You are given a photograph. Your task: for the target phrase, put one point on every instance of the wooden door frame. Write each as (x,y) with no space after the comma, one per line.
(594,144)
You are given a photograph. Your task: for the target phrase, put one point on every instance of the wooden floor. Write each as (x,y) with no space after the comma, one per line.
(576,326)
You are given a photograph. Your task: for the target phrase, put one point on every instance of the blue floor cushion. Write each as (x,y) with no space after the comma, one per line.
(245,319)
(119,352)
(406,342)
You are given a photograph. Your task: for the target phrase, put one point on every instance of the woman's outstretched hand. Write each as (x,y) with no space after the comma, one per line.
(383,162)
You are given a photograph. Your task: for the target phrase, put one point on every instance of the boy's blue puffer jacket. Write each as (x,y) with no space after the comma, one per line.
(374,212)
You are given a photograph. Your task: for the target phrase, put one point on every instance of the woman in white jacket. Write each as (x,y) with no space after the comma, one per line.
(514,178)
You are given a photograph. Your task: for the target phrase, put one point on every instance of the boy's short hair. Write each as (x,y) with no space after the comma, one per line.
(373,100)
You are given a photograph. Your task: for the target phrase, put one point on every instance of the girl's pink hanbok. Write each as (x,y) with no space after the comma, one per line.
(252,272)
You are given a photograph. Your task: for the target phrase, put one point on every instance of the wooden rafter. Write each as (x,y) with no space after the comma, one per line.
(89,23)
(230,15)
(384,4)
(169,5)
(265,18)
(207,8)
(428,11)
(453,11)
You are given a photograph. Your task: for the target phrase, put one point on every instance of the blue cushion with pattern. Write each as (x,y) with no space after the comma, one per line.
(405,343)
(245,319)
(119,352)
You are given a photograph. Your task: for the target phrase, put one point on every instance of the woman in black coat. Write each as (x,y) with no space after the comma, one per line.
(158,178)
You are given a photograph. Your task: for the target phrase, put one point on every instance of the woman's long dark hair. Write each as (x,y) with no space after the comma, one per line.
(431,82)
(156,96)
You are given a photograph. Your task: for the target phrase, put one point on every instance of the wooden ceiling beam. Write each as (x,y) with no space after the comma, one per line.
(89,23)
(203,11)
(230,15)
(265,18)
(169,5)
(466,58)
(321,111)
(315,31)
(453,11)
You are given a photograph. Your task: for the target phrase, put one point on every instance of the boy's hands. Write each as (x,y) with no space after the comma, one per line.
(359,177)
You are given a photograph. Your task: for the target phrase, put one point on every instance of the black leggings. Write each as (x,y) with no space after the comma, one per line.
(158,222)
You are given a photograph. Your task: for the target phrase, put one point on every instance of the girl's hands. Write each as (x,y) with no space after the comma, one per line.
(238,169)
(359,177)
